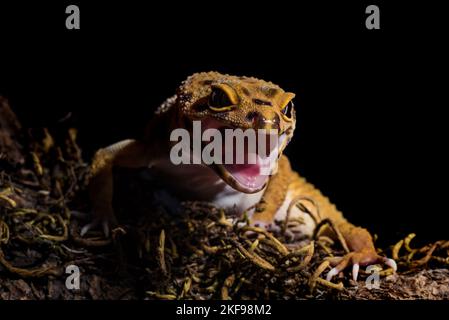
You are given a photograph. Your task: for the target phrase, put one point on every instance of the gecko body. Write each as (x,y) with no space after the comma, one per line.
(222,102)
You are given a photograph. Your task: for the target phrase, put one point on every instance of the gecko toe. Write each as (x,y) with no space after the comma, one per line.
(104,225)
(106,228)
(87,228)
(331,274)
(355,271)
(391,263)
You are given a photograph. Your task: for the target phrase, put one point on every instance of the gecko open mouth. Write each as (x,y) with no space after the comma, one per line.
(251,177)
(244,158)
(247,178)
(248,161)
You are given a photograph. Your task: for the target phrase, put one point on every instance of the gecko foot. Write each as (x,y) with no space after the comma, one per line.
(357,259)
(269,226)
(293,231)
(106,223)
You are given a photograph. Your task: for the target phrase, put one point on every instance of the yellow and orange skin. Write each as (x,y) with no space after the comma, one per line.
(255,104)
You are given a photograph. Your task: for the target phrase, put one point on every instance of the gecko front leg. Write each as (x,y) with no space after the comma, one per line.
(271,208)
(126,153)
(362,251)
(273,196)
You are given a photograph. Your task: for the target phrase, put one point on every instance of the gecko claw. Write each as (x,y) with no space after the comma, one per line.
(105,226)
(391,263)
(87,228)
(355,271)
(331,274)
(106,229)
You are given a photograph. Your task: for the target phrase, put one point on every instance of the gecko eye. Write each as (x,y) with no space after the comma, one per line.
(287,111)
(219,100)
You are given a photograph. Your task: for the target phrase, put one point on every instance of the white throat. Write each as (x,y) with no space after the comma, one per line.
(199,182)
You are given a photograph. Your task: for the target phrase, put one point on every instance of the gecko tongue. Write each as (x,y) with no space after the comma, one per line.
(249,175)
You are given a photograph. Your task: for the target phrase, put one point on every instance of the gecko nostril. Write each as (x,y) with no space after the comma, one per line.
(276,122)
(261,122)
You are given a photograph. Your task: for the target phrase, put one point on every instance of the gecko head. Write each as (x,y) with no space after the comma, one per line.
(258,115)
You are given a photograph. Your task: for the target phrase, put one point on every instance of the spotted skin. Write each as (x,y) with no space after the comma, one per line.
(237,102)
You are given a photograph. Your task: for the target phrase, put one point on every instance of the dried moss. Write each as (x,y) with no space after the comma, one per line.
(198,254)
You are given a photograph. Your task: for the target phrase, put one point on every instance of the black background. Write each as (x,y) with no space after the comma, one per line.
(371,128)
(281,309)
